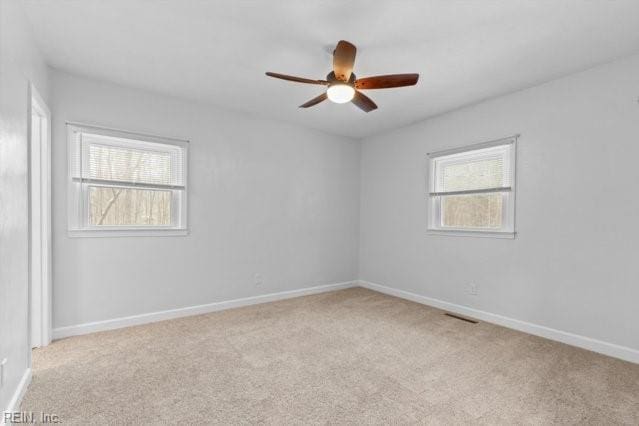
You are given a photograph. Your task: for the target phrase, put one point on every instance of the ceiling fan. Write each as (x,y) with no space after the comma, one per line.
(342,84)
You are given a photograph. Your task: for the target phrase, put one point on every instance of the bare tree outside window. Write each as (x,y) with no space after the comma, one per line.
(133,207)
(472,211)
(477,210)
(117,206)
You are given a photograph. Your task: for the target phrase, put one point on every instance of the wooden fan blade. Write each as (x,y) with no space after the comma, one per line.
(343,60)
(363,102)
(314,101)
(386,81)
(296,79)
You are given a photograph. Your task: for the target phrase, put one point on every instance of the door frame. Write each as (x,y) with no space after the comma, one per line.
(40,277)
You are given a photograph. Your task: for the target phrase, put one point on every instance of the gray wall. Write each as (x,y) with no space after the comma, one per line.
(573,265)
(264,197)
(20,63)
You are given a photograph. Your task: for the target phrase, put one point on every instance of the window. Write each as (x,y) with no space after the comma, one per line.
(125,184)
(472,190)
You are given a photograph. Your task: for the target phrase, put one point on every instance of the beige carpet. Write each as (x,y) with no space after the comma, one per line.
(348,357)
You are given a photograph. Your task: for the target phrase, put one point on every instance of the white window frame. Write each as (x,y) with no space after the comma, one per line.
(78,189)
(434,198)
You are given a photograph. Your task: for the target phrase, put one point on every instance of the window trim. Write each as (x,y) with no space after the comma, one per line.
(509,207)
(77,225)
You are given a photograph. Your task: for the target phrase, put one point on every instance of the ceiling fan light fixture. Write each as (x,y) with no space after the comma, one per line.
(342,85)
(340,93)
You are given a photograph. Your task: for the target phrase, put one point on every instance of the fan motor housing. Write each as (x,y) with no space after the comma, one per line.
(333,80)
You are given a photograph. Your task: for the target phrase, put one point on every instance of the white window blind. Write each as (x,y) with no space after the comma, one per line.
(121,181)
(471,190)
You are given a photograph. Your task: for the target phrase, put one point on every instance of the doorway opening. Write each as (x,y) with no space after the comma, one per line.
(40,221)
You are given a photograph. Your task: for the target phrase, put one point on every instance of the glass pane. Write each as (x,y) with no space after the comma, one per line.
(472,174)
(129,164)
(472,211)
(110,206)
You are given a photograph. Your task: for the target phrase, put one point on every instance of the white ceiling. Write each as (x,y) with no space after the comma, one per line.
(217,51)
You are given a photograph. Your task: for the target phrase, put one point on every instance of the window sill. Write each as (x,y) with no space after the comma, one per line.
(108,233)
(467,233)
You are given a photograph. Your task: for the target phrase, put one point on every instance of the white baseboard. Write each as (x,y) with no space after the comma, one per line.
(111,324)
(610,349)
(16,399)
(606,348)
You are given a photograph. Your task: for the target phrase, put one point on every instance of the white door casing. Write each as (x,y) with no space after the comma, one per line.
(40,221)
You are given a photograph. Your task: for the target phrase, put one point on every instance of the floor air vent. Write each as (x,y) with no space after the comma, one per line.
(472,321)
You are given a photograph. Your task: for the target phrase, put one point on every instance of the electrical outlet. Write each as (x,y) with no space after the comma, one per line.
(258,279)
(472,289)
(2,364)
